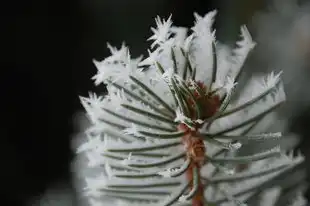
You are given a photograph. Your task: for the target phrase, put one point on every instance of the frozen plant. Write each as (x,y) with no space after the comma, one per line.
(170,131)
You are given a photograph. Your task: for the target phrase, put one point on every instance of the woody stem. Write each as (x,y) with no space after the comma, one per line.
(195,149)
(198,198)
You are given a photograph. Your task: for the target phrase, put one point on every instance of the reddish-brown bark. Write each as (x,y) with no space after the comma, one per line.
(192,141)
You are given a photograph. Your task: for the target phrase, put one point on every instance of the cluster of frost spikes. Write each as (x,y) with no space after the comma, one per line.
(171,132)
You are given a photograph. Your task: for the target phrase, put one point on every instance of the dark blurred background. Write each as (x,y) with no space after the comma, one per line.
(47,49)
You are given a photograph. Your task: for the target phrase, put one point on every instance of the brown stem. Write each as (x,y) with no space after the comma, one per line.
(195,150)
(198,199)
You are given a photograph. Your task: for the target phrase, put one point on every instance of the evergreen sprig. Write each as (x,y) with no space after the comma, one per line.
(167,132)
